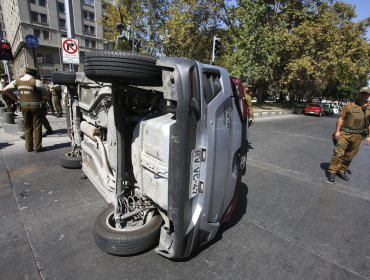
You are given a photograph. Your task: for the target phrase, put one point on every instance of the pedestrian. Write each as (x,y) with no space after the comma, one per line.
(30,97)
(11,105)
(47,96)
(248,99)
(352,125)
(56,92)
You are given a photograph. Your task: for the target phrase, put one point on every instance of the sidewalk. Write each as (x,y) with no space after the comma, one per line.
(270,110)
(57,124)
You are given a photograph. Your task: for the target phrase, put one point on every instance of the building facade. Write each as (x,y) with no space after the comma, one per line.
(47,20)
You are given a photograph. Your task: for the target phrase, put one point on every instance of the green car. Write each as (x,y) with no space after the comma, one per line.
(328,109)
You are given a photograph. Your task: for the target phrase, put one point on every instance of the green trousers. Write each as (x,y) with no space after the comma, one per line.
(57,102)
(32,116)
(347,147)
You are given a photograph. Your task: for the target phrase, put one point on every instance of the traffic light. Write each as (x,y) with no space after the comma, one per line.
(5,51)
(216,46)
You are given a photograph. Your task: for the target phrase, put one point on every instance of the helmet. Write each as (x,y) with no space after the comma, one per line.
(365,90)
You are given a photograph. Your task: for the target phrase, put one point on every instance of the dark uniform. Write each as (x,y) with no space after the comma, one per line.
(56,92)
(30,97)
(352,125)
(31,101)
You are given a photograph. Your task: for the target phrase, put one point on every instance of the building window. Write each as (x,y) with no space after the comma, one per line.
(90,30)
(88,2)
(32,1)
(48,59)
(44,18)
(89,15)
(42,3)
(90,43)
(61,8)
(45,33)
(3,34)
(62,23)
(34,16)
(2,25)
(36,32)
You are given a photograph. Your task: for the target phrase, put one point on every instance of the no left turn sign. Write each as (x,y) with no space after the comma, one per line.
(70,51)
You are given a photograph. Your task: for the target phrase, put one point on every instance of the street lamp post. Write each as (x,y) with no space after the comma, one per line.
(40,60)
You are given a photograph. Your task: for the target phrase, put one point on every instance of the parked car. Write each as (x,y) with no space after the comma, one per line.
(163,141)
(314,109)
(336,109)
(328,109)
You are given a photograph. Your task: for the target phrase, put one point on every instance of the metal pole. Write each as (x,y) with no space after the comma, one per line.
(60,50)
(132,26)
(6,69)
(70,25)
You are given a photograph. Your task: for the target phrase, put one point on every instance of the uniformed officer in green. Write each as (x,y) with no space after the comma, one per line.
(353,123)
(30,97)
(248,99)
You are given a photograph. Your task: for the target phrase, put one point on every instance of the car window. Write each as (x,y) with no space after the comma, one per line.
(211,86)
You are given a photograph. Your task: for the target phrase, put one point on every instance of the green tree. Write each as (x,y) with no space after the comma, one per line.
(326,51)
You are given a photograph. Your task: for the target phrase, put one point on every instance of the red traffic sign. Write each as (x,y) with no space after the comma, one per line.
(70,46)
(70,51)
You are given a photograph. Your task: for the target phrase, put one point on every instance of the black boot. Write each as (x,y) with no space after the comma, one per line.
(342,175)
(331,177)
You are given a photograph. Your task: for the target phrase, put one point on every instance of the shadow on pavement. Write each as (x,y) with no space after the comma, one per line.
(4,145)
(240,210)
(57,146)
(60,131)
(325,166)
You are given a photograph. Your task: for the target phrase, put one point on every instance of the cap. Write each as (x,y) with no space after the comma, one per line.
(365,90)
(3,75)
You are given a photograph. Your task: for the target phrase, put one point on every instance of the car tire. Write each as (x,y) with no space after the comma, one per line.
(119,67)
(70,161)
(63,78)
(124,243)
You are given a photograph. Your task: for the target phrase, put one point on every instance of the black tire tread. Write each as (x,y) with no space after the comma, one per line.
(125,243)
(70,162)
(63,78)
(121,67)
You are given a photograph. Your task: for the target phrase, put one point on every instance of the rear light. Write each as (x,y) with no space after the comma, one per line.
(240,102)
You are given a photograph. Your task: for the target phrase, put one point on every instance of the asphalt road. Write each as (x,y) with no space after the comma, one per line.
(290,223)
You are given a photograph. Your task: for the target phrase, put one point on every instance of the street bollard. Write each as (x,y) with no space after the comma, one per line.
(2,111)
(20,123)
(8,118)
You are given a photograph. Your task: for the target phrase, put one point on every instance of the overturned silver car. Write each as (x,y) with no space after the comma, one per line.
(163,141)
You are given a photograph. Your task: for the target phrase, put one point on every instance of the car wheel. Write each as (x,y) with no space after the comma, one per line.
(63,78)
(134,237)
(120,67)
(71,160)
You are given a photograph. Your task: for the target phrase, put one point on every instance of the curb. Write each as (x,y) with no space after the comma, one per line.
(270,113)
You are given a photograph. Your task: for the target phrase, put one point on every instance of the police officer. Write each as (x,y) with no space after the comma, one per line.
(30,97)
(352,125)
(47,95)
(56,92)
(248,99)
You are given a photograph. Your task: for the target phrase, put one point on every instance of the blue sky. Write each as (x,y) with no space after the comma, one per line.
(362,8)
